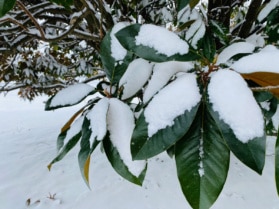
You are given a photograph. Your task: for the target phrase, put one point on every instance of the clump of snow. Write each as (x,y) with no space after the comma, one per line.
(234,101)
(264,61)
(162,40)
(98,119)
(267,9)
(256,39)
(118,52)
(162,73)
(121,125)
(201,155)
(71,95)
(171,102)
(234,49)
(135,77)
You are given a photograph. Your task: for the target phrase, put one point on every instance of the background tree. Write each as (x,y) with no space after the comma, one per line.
(171,76)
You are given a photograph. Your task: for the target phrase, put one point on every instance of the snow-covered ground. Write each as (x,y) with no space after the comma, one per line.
(28,143)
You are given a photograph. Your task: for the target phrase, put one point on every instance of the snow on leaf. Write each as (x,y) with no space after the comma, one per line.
(135,77)
(196,32)
(74,129)
(172,101)
(121,125)
(234,101)
(264,61)
(117,50)
(162,40)
(69,96)
(162,73)
(267,9)
(98,119)
(234,49)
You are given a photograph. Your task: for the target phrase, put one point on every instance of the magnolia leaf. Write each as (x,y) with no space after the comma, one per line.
(209,47)
(71,120)
(196,32)
(131,83)
(202,161)
(85,150)
(265,79)
(181,4)
(118,164)
(69,96)
(251,153)
(6,6)
(144,147)
(277,163)
(155,43)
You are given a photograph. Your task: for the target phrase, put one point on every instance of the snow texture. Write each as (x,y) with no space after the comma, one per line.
(162,73)
(264,61)
(98,119)
(162,40)
(135,77)
(256,39)
(267,9)
(171,102)
(31,134)
(71,95)
(120,126)
(234,49)
(234,101)
(117,50)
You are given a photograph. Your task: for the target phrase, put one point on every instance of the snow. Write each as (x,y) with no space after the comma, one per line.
(264,61)
(28,143)
(162,73)
(117,50)
(234,49)
(171,102)
(162,40)
(196,32)
(234,101)
(98,119)
(131,83)
(267,9)
(121,124)
(77,92)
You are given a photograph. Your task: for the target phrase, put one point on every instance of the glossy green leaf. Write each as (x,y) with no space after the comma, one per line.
(118,164)
(86,150)
(143,147)
(277,163)
(181,4)
(6,6)
(202,161)
(114,70)
(68,146)
(252,153)
(208,46)
(127,36)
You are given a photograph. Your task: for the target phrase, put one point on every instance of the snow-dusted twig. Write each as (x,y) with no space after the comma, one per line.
(265,88)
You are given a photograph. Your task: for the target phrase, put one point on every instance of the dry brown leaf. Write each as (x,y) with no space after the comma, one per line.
(264,79)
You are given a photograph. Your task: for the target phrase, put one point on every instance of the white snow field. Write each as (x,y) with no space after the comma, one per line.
(28,143)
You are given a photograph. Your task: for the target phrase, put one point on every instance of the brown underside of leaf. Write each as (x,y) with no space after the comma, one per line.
(86,169)
(264,79)
(69,123)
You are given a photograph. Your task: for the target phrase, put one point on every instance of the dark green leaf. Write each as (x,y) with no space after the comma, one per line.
(208,46)
(68,146)
(252,153)
(143,147)
(6,6)
(202,161)
(114,70)
(127,35)
(277,163)
(181,4)
(118,164)
(85,150)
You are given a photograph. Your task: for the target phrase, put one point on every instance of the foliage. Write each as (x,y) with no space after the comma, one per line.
(173,84)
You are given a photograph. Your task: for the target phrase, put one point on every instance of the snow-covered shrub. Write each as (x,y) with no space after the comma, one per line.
(194,88)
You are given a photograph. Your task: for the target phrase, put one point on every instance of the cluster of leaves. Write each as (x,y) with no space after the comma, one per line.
(178,86)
